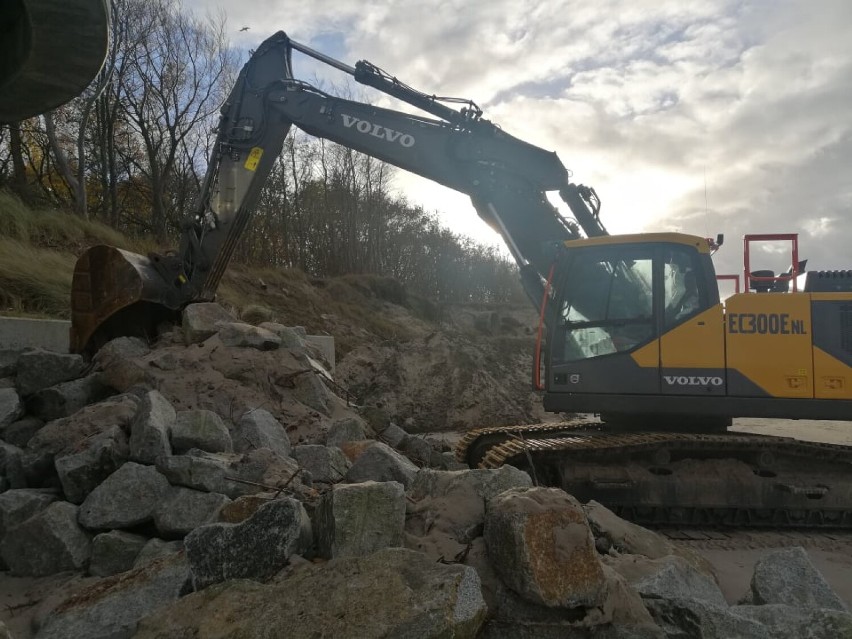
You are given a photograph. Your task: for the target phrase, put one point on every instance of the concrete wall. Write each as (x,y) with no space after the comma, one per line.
(17,333)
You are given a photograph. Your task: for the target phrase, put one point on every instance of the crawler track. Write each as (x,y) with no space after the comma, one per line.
(682,479)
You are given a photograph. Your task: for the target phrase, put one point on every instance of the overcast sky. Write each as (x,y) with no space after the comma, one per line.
(702,116)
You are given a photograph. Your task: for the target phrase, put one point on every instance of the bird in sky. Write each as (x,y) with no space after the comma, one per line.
(244,29)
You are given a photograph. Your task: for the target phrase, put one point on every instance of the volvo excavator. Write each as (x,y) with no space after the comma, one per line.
(632,326)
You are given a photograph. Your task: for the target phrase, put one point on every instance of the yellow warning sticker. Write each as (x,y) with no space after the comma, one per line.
(253,158)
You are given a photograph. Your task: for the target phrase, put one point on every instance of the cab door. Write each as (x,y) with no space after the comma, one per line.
(692,342)
(605,315)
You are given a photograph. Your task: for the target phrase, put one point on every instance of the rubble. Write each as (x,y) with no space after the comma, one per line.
(310,391)
(16,506)
(20,433)
(111,608)
(48,542)
(788,577)
(114,552)
(183,509)
(202,429)
(125,499)
(157,549)
(256,548)
(379,462)
(37,369)
(11,407)
(359,519)
(240,335)
(326,464)
(258,428)
(347,429)
(81,473)
(198,452)
(199,321)
(149,432)
(67,398)
(391,593)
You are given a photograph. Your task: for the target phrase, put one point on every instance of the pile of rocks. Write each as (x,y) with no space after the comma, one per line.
(214,486)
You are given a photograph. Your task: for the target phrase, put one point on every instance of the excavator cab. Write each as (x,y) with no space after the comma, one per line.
(622,313)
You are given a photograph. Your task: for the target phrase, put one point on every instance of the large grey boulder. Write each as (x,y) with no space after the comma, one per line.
(149,432)
(199,321)
(81,473)
(16,506)
(392,435)
(125,499)
(326,464)
(183,510)
(696,619)
(122,364)
(391,593)
(540,544)
(418,449)
(311,392)
(114,552)
(379,462)
(39,369)
(120,349)
(11,467)
(257,548)
(669,577)
(19,433)
(67,435)
(788,577)
(484,483)
(358,519)
(67,398)
(447,509)
(111,608)
(789,622)
(290,337)
(8,362)
(157,549)
(240,335)
(347,429)
(202,429)
(50,541)
(11,407)
(258,428)
(626,537)
(233,475)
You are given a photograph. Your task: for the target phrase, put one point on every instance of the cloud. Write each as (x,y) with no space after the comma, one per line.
(703,116)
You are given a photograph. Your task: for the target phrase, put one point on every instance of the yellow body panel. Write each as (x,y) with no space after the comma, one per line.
(832,378)
(768,340)
(697,343)
(648,356)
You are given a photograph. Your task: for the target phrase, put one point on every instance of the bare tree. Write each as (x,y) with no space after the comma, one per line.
(180,66)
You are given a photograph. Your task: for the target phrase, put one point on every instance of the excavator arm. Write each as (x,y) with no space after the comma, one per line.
(506,178)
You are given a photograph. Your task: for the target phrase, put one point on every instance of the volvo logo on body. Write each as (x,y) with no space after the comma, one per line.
(378,131)
(692,380)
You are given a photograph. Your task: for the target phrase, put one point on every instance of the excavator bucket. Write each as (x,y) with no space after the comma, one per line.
(116,293)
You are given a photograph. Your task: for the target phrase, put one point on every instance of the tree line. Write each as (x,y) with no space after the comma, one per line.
(132,150)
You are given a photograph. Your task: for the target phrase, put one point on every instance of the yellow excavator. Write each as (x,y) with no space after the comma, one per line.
(632,326)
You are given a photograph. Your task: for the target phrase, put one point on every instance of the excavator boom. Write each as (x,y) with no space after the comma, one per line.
(507,179)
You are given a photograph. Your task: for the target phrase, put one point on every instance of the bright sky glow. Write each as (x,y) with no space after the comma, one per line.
(652,102)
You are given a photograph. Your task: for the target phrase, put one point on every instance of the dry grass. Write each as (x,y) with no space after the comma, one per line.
(38,250)
(34,281)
